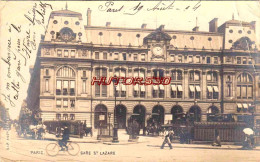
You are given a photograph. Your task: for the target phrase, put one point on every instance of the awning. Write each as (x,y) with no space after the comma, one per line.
(245,106)
(155,87)
(142,88)
(215,88)
(192,88)
(209,88)
(136,87)
(180,88)
(123,87)
(239,105)
(161,87)
(173,87)
(198,88)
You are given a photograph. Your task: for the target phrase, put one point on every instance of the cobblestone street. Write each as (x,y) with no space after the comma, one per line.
(146,149)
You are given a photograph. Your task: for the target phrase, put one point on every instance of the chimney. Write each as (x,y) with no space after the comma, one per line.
(89,17)
(108,24)
(196,28)
(143,26)
(161,27)
(213,25)
(252,25)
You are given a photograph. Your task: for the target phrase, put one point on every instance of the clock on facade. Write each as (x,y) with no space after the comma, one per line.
(67,34)
(157,50)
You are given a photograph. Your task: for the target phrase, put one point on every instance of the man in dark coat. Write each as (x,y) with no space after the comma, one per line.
(65,138)
(166,139)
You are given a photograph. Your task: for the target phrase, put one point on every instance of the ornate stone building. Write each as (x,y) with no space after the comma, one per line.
(212,72)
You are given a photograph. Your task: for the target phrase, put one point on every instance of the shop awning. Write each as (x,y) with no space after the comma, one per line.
(215,89)
(192,89)
(198,88)
(161,87)
(239,105)
(173,87)
(179,88)
(142,88)
(209,88)
(245,106)
(155,87)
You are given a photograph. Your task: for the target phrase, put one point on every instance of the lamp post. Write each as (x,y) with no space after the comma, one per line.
(109,116)
(115,135)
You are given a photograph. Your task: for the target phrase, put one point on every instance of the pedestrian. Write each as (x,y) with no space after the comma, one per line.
(217,141)
(167,139)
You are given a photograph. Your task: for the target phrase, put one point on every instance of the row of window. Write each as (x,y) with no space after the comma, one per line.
(65,103)
(240,60)
(65,117)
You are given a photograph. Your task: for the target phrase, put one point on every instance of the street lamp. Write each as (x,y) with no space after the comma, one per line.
(115,135)
(109,116)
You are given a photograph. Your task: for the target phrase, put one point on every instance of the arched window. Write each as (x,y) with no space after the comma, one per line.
(100,90)
(139,90)
(212,85)
(244,86)
(65,86)
(121,88)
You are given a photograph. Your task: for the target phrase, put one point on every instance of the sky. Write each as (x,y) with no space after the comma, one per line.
(15,26)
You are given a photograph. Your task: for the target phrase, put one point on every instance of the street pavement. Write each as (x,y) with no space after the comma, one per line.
(13,148)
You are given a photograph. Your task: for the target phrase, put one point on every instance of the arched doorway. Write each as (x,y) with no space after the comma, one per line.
(177,114)
(195,114)
(139,115)
(211,113)
(121,116)
(158,114)
(100,116)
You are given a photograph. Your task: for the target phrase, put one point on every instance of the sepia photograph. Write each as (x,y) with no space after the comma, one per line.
(117,81)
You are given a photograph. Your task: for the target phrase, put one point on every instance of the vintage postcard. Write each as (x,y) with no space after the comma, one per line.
(130,81)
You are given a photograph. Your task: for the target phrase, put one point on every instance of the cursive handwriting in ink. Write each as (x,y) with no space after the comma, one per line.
(162,6)
(108,7)
(137,8)
(7,98)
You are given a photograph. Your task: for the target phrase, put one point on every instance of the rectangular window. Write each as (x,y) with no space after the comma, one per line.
(244,60)
(65,87)
(72,54)
(180,58)
(196,76)
(58,103)
(124,56)
(104,55)
(47,72)
(58,116)
(190,59)
(243,92)
(215,60)
(72,103)
(135,57)
(238,60)
(72,116)
(72,88)
(104,90)
(208,60)
(84,74)
(238,92)
(65,116)
(58,87)
(172,58)
(84,86)
(66,53)
(250,92)
(143,57)
(228,59)
(97,90)
(59,53)
(65,103)
(97,55)
(47,85)
(249,60)
(116,56)
(197,59)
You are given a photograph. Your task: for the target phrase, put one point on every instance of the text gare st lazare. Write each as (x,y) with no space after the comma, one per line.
(159,6)
(132,80)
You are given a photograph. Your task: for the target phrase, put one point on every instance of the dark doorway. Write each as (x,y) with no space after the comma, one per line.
(194,114)
(100,116)
(158,114)
(139,115)
(121,116)
(177,114)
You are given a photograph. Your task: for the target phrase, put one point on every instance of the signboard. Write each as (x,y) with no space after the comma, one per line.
(101,117)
